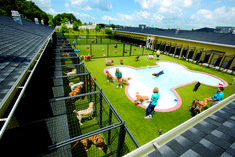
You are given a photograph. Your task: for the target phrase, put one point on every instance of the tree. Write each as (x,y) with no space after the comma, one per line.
(97,28)
(64,28)
(27,8)
(75,25)
(107,30)
(112,25)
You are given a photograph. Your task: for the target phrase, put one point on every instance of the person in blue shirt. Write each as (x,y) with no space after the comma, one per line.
(152,104)
(118,75)
(74,43)
(218,96)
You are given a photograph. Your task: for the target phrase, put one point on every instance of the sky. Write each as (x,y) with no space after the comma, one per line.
(183,14)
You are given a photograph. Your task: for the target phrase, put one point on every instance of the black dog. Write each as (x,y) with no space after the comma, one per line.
(196,86)
(158,74)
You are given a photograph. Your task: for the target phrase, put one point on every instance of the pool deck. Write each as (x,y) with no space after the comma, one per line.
(179,103)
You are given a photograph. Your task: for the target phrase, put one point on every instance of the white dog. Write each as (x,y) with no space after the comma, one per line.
(150,56)
(73,72)
(72,85)
(86,112)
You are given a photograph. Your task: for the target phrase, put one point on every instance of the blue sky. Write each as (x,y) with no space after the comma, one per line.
(183,14)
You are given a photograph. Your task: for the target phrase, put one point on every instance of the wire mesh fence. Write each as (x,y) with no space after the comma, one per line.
(61,123)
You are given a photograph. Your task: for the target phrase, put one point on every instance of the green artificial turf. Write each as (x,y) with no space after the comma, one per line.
(146,130)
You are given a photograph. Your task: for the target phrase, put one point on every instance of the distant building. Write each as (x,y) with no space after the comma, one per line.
(92,26)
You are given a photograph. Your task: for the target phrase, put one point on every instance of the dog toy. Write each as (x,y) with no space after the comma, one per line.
(196,86)
(158,74)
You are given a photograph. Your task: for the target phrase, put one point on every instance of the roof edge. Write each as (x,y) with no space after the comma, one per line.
(197,41)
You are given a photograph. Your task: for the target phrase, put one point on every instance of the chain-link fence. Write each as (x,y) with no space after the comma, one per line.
(65,113)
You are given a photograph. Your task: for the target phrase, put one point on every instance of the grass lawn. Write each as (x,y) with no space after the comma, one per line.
(146,130)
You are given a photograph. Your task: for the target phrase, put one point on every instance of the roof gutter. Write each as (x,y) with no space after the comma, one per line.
(196,41)
(163,139)
(23,88)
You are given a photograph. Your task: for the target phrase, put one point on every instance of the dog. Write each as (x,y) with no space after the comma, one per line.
(92,81)
(108,62)
(126,80)
(74,92)
(86,112)
(137,58)
(198,105)
(140,98)
(96,140)
(150,56)
(158,74)
(196,86)
(109,76)
(87,57)
(65,54)
(73,72)
(72,85)
(121,61)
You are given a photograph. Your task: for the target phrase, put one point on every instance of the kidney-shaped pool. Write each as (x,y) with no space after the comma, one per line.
(175,75)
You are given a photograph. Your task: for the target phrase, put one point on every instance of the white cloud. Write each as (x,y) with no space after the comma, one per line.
(107,18)
(52,11)
(104,5)
(43,4)
(219,16)
(153,4)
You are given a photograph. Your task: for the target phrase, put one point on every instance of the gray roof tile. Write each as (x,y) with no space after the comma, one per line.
(184,142)
(214,136)
(18,46)
(211,146)
(190,153)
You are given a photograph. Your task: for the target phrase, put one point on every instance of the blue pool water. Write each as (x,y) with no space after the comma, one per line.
(174,75)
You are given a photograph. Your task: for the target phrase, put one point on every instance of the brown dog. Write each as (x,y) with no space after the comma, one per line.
(109,76)
(92,81)
(74,92)
(65,54)
(126,80)
(140,98)
(96,140)
(108,62)
(198,105)
(86,112)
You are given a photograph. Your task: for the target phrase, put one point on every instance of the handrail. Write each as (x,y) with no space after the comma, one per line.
(163,139)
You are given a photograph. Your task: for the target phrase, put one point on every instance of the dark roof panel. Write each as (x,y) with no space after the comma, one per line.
(198,36)
(19,44)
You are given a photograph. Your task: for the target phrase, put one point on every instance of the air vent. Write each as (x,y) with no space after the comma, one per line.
(16,16)
(36,20)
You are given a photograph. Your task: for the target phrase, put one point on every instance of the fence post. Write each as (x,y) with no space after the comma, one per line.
(110,122)
(143,51)
(121,140)
(107,50)
(101,125)
(130,49)
(90,49)
(123,49)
